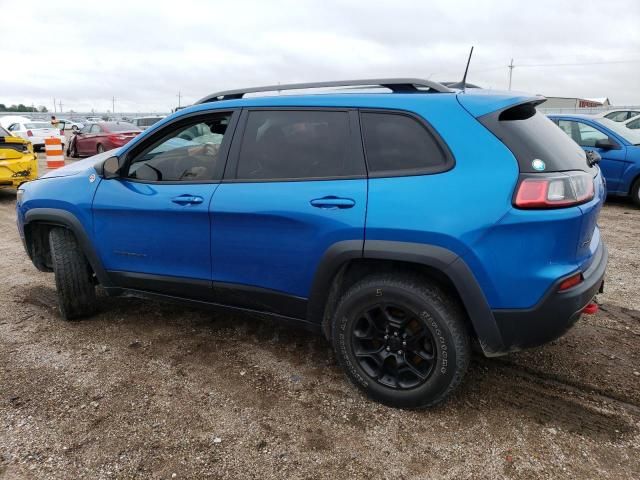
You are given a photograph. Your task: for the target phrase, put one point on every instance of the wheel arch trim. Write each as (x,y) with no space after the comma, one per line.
(64,218)
(337,257)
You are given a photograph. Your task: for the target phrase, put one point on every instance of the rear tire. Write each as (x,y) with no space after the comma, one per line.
(635,192)
(74,279)
(401,340)
(73,149)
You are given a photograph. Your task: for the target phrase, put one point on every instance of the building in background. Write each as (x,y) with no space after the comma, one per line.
(573,102)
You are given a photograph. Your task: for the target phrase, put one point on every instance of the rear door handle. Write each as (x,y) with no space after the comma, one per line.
(332,201)
(187,199)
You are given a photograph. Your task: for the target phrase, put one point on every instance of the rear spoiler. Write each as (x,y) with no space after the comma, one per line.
(481,102)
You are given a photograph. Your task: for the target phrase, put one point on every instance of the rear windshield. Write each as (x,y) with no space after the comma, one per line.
(38,125)
(530,135)
(120,127)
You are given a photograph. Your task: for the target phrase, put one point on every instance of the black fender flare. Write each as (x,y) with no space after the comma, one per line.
(445,261)
(64,218)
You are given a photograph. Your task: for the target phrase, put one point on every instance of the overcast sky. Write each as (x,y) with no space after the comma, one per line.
(143,53)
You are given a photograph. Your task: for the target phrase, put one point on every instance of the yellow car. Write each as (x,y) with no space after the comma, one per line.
(18,163)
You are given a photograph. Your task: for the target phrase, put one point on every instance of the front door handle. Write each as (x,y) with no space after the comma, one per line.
(332,201)
(187,199)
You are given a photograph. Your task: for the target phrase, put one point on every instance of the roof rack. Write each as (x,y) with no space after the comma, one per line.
(396,85)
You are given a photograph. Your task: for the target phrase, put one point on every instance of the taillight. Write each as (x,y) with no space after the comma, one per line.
(554,190)
(570,282)
(29,133)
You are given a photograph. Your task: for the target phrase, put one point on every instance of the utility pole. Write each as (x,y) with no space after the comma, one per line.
(179,98)
(54,105)
(60,105)
(510,72)
(113,105)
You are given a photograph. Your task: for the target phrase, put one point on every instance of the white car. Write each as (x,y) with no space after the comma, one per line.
(36,132)
(70,125)
(8,120)
(145,122)
(633,123)
(619,115)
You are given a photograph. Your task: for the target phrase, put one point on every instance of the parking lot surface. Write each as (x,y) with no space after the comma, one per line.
(153,390)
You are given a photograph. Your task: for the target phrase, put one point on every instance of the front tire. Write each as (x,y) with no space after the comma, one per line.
(401,340)
(74,279)
(635,192)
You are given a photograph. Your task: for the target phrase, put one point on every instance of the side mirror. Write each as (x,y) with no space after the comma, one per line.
(110,168)
(606,144)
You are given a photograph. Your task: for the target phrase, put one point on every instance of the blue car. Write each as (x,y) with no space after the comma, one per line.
(617,145)
(404,224)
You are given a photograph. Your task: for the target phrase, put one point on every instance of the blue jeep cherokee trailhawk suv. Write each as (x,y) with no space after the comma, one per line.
(403,224)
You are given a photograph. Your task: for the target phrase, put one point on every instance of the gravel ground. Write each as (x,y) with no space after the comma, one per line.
(151,390)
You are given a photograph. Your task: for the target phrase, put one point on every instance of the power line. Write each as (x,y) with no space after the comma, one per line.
(576,64)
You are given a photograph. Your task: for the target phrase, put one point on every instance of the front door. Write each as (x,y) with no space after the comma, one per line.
(613,161)
(152,225)
(295,185)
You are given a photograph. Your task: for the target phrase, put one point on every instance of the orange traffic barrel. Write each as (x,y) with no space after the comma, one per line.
(53,150)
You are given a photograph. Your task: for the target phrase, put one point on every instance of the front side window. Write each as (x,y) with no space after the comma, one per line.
(581,133)
(400,144)
(283,145)
(95,129)
(588,135)
(189,153)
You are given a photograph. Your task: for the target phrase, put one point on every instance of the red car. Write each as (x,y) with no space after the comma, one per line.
(99,137)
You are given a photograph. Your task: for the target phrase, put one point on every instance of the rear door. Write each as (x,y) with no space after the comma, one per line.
(295,185)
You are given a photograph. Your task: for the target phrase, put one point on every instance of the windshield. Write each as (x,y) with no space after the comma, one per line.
(36,125)
(630,135)
(120,127)
(4,133)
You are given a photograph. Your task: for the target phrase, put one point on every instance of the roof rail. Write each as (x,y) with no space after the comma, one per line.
(396,85)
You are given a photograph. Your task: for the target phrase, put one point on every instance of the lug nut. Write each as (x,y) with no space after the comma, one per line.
(388,349)
(386,337)
(395,333)
(399,352)
(404,344)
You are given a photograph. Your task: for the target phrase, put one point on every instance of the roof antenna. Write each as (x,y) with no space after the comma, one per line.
(466,70)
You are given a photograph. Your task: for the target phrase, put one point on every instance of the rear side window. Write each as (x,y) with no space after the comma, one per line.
(398,144)
(283,145)
(530,135)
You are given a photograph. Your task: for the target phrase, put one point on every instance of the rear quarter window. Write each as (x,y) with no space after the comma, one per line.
(400,144)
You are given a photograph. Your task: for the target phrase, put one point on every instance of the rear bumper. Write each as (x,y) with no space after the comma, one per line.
(555,314)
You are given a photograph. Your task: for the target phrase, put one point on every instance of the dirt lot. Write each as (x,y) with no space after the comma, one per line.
(150,390)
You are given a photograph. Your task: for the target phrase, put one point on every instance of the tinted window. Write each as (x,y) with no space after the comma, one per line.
(120,127)
(617,116)
(187,153)
(397,143)
(531,135)
(297,144)
(634,124)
